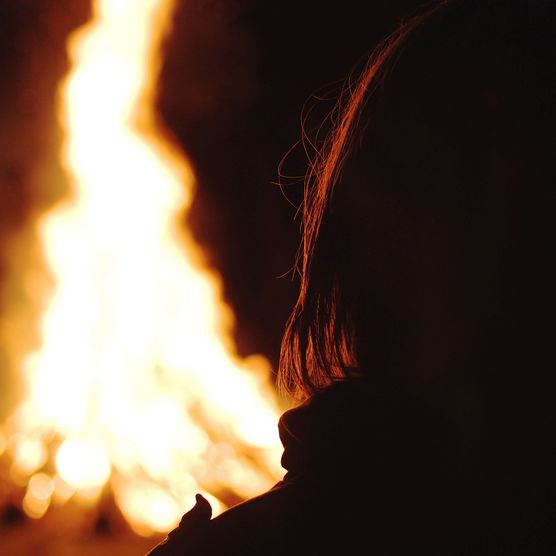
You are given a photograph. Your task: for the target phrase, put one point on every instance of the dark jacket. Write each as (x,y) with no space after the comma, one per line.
(367,473)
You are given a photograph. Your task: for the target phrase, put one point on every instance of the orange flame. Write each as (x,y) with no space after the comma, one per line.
(136,383)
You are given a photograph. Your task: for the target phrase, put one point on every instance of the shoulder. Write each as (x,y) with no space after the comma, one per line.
(269,524)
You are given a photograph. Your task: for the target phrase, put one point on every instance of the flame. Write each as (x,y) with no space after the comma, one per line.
(136,384)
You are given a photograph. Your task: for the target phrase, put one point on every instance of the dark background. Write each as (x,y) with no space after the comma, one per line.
(236,77)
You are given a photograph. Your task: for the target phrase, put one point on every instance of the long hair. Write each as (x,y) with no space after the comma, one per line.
(319,343)
(475,95)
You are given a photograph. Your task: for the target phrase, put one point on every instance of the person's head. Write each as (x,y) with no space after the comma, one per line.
(428,214)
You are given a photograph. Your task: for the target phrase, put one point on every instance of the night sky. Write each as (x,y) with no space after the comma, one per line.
(236,78)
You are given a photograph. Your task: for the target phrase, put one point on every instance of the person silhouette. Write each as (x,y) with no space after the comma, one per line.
(421,346)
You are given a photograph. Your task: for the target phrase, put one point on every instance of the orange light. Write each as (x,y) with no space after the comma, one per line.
(136,376)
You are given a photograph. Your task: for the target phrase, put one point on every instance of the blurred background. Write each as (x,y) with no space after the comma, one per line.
(236,77)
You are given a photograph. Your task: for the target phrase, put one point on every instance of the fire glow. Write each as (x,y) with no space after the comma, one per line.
(136,384)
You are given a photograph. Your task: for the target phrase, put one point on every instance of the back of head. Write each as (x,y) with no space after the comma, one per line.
(429,236)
